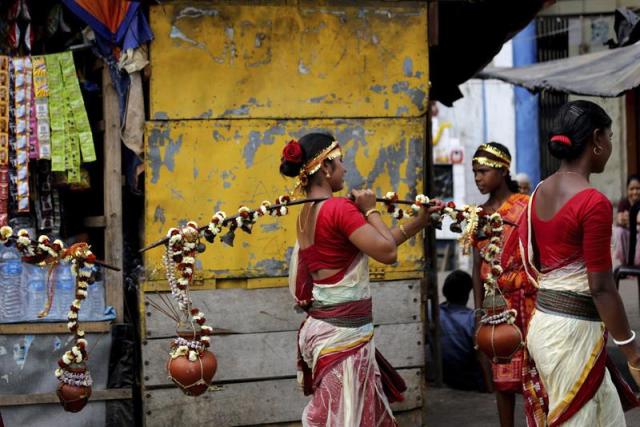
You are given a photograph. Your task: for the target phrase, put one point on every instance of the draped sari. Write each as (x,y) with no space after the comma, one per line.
(351,383)
(517,290)
(569,379)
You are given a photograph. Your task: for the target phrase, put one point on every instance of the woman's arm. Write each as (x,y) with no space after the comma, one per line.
(374,238)
(478,289)
(611,311)
(379,241)
(408,229)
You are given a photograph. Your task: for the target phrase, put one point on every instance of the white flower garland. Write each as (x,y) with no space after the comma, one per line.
(43,252)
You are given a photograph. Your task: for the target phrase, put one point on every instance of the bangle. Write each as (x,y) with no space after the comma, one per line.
(633,368)
(371,211)
(404,232)
(627,341)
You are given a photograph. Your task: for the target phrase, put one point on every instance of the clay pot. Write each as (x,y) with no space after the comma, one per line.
(73,398)
(194,377)
(499,342)
(494,304)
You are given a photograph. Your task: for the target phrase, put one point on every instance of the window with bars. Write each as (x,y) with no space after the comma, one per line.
(553,43)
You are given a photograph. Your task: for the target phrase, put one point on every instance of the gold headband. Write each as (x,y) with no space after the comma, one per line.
(495,152)
(333,151)
(496,164)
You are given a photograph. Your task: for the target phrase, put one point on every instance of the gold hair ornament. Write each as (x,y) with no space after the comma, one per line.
(332,152)
(496,164)
(495,152)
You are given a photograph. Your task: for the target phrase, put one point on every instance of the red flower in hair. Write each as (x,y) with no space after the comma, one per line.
(292,152)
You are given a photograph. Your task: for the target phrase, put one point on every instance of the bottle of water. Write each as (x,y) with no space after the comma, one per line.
(34,278)
(96,297)
(65,291)
(11,283)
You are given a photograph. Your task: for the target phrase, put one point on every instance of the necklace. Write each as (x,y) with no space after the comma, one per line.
(571,172)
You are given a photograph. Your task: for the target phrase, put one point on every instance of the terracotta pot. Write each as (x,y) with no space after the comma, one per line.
(499,342)
(494,304)
(195,377)
(73,398)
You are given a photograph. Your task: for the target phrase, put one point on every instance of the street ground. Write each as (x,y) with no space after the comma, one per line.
(447,407)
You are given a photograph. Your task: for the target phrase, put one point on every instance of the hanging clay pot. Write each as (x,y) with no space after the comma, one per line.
(193,377)
(72,397)
(498,341)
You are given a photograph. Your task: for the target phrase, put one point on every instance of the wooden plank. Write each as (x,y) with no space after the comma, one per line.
(112,196)
(51,328)
(249,403)
(272,310)
(245,357)
(41,398)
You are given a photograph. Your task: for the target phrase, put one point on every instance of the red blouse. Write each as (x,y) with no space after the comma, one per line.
(581,229)
(331,248)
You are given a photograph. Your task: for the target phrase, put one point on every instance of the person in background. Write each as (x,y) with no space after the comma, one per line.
(524,183)
(621,231)
(460,365)
(491,164)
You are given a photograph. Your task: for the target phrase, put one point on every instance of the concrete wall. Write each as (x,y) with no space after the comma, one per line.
(588,34)
(485,113)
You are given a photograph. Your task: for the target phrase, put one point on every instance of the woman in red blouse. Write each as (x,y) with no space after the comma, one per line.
(352,384)
(567,236)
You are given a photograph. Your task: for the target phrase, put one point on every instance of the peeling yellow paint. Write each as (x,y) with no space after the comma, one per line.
(383,154)
(265,60)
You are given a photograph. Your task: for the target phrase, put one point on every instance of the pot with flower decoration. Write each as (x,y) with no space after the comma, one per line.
(191,366)
(497,335)
(74,387)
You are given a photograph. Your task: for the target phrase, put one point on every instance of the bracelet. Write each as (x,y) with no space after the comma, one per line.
(371,211)
(403,231)
(633,368)
(627,341)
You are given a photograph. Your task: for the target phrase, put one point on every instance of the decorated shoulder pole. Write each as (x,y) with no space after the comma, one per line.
(191,365)
(74,378)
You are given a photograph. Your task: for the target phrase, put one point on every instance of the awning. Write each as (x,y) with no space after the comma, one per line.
(608,73)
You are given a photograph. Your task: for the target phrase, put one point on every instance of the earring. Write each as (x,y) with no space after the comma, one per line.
(328,175)
(597,150)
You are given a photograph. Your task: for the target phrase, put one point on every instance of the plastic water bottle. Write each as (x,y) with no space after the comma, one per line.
(11,282)
(65,291)
(34,278)
(96,297)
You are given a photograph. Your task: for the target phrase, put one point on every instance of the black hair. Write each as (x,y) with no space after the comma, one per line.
(457,287)
(576,121)
(511,183)
(312,144)
(631,178)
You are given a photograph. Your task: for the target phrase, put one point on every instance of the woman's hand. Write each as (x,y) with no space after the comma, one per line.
(623,219)
(632,354)
(425,213)
(364,199)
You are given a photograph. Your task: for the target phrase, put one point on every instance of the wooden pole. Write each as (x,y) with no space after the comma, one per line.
(430,281)
(112,195)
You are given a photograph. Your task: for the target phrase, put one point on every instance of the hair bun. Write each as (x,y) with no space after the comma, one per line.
(292,153)
(292,159)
